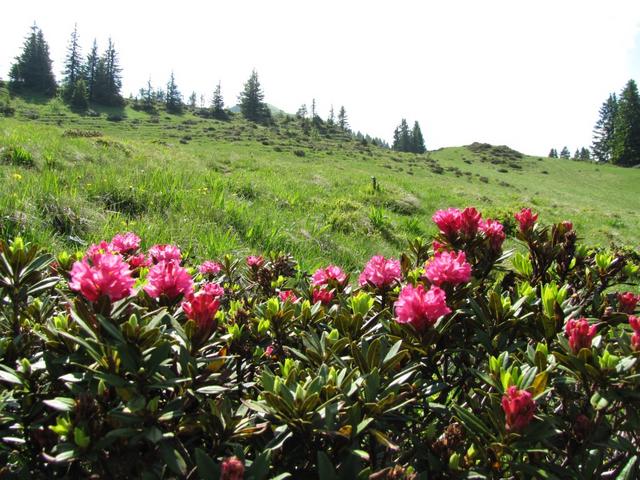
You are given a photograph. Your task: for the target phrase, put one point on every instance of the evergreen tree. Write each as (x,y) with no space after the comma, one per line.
(565,153)
(417,140)
(626,136)
(72,66)
(79,96)
(332,118)
(553,153)
(251,101)
(585,154)
(32,69)
(576,154)
(343,122)
(192,100)
(91,68)
(603,131)
(173,97)
(302,112)
(217,104)
(402,138)
(313,109)
(108,80)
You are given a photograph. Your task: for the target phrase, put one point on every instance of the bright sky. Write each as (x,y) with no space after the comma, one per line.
(529,74)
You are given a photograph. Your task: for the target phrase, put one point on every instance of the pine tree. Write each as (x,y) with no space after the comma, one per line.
(576,154)
(343,122)
(313,109)
(302,112)
(251,101)
(332,118)
(585,154)
(553,153)
(626,136)
(217,104)
(32,69)
(402,138)
(173,97)
(417,140)
(90,69)
(565,153)
(72,66)
(603,131)
(79,96)
(192,100)
(108,80)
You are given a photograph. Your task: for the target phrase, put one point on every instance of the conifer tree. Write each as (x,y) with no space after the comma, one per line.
(91,68)
(626,136)
(217,104)
(173,97)
(302,112)
(332,118)
(343,122)
(585,154)
(565,153)
(313,109)
(79,96)
(251,101)
(417,140)
(402,138)
(108,80)
(72,66)
(576,154)
(603,131)
(553,153)
(32,69)
(192,100)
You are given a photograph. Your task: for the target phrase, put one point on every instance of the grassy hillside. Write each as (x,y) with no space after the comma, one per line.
(216,187)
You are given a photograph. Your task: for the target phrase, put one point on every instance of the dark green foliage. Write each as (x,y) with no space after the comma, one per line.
(217,105)
(91,69)
(108,80)
(604,130)
(626,137)
(417,140)
(32,69)
(406,140)
(585,154)
(72,68)
(565,153)
(343,122)
(251,101)
(173,97)
(79,98)
(553,153)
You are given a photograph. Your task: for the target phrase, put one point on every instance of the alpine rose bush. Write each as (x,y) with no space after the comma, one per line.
(125,243)
(209,268)
(580,334)
(494,231)
(322,295)
(255,261)
(421,308)
(628,302)
(168,278)
(107,274)
(165,253)
(519,408)
(526,219)
(448,221)
(232,469)
(331,275)
(380,272)
(448,267)
(635,338)
(288,296)
(201,307)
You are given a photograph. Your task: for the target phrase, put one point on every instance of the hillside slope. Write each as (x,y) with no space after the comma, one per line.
(216,187)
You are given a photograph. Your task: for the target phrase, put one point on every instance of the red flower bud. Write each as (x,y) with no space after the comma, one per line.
(579,333)
(232,469)
(519,407)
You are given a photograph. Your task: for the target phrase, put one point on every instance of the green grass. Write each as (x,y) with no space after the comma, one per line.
(216,187)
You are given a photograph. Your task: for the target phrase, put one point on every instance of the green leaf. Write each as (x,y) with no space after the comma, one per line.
(627,473)
(173,459)
(259,469)
(383,439)
(472,422)
(207,468)
(10,377)
(212,389)
(326,470)
(61,404)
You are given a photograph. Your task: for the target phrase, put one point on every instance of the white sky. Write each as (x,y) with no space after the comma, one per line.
(529,74)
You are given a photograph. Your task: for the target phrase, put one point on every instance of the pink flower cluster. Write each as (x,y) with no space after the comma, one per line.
(165,253)
(209,268)
(288,296)
(519,408)
(455,223)
(635,338)
(168,278)
(526,219)
(202,306)
(628,302)
(323,296)
(421,308)
(255,261)
(579,333)
(448,267)
(330,275)
(494,232)
(232,468)
(102,274)
(125,243)
(380,272)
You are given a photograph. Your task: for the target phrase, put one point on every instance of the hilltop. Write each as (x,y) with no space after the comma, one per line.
(216,187)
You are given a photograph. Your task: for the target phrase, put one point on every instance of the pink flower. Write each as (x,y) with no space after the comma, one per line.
(579,333)
(421,308)
(628,301)
(519,407)
(124,243)
(287,296)
(209,267)
(170,279)
(255,261)
(98,249)
(330,275)
(448,267)
(165,253)
(437,246)
(269,351)
(323,296)
(469,221)
(494,231)
(232,468)
(107,275)
(568,226)
(213,289)
(138,261)
(201,308)
(526,219)
(635,338)
(448,221)
(380,272)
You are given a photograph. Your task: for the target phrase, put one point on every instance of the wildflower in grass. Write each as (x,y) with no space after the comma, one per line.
(168,278)
(627,302)
(165,253)
(323,296)
(448,267)
(470,221)
(494,232)
(526,219)
(579,333)
(288,296)
(210,268)
(232,468)
(380,272)
(107,274)
(125,243)
(98,249)
(421,308)
(202,307)
(332,275)
(519,407)
(255,261)
(212,289)
(568,226)
(635,338)
(448,221)
(138,261)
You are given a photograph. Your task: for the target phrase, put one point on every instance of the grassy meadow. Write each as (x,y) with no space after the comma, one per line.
(234,187)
